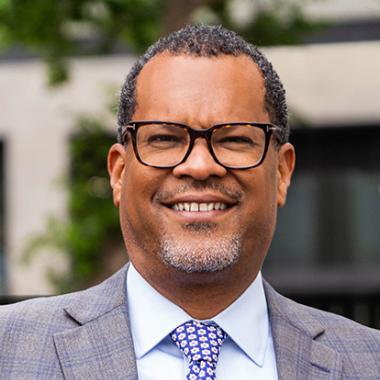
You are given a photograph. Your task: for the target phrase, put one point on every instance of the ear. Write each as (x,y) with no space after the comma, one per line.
(116,167)
(286,163)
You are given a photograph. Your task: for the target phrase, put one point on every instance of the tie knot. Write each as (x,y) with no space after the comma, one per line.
(199,341)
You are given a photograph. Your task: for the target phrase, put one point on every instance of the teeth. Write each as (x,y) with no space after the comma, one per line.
(203,207)
(199,207)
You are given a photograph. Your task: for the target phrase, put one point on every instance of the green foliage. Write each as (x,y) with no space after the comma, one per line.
(55,30)
(279,23)
(93,219)
(270,29)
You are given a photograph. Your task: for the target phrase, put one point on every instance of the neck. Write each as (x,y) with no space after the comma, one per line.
(201,295)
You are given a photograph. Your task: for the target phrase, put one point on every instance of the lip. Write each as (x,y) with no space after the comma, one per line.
(199,216)
(200,198)
(202,216)
(213,216)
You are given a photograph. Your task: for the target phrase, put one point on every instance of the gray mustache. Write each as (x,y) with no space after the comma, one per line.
(164,196)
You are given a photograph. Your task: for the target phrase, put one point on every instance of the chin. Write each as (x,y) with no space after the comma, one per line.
(203,255)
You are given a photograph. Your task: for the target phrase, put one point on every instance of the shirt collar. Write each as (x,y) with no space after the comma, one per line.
(153,317)
(246,321)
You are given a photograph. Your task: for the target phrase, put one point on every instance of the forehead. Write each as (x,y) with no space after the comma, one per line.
(190,89)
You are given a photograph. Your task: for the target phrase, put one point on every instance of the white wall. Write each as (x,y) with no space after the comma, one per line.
(331,83)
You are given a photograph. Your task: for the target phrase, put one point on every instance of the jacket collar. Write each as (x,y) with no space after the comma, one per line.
(96,301)
(296,332)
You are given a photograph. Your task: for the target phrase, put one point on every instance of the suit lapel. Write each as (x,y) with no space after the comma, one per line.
(298,354)
(101,346)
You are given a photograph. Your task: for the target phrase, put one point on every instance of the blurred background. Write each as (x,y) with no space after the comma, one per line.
(61,67)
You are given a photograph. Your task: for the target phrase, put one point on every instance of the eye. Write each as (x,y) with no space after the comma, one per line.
(164,141)
(162,138)
(236,140)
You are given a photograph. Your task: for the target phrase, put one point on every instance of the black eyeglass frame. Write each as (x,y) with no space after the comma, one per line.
(133,126)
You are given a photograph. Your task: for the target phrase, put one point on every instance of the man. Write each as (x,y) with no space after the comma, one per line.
(201,167)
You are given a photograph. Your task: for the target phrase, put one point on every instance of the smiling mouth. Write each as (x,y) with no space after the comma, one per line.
(210,203)
(199,206)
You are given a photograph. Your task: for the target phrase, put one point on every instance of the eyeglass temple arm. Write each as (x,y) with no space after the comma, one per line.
(121,129)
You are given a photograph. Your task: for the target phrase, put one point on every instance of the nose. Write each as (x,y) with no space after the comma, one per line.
(200,164)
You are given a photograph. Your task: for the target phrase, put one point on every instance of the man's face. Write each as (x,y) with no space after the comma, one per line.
(199,92)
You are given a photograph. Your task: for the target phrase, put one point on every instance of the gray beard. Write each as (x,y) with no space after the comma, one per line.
(203,253)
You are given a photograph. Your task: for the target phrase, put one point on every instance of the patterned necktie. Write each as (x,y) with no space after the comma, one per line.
(200,343)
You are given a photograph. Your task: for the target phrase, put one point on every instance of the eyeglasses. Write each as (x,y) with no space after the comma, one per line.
(165,144)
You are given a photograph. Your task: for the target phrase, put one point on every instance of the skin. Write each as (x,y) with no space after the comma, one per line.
(200,92)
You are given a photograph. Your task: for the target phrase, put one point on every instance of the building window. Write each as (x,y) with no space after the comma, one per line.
(328,233)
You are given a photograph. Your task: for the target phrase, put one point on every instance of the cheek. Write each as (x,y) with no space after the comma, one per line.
(135,206)
(260,208)
(139,187)
(260,188)
(135,189)
(270,199)
(260,219)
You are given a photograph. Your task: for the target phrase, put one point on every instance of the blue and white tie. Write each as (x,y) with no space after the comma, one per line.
(200,342)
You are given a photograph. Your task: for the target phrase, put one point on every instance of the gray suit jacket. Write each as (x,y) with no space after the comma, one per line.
(85,335)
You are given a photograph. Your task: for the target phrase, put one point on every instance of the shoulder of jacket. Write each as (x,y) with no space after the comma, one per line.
(36,312)
(332,329)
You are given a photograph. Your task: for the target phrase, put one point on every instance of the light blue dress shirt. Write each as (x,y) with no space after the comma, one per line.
(247,353)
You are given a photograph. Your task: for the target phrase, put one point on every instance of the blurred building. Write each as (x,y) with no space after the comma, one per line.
(328,234)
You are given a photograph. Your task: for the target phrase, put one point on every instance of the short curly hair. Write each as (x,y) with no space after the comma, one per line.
(209,41)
